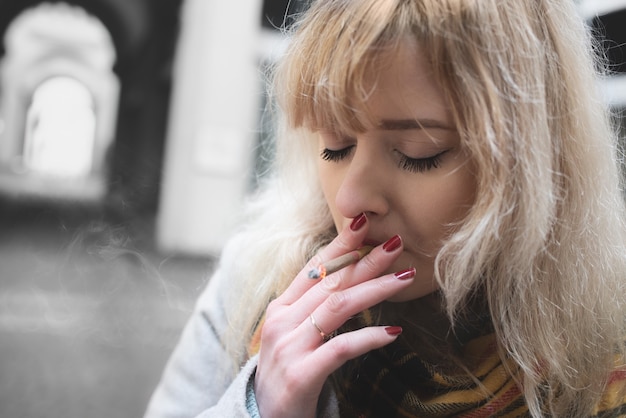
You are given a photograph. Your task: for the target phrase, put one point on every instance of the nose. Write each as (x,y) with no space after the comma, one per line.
(364,187)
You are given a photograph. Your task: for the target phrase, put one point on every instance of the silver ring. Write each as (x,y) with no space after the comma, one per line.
(325,337)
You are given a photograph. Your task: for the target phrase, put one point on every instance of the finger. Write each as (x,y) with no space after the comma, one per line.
(372,265)
(334,353)
(349,239)
(340,306)
(375,263)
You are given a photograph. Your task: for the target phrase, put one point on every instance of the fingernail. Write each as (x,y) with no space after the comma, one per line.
(405,274)
(358,222)
(393,330)
(392,244)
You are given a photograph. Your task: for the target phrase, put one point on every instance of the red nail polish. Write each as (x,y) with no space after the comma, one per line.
(392,244)
(405,274)
(358,222)
(393,330)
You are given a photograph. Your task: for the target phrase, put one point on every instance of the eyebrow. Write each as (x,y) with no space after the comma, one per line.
(407,124)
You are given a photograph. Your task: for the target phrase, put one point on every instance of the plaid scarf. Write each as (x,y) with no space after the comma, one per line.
(398,381)
(401,381)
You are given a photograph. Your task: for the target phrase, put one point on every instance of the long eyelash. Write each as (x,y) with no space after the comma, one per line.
(420,165)
(335,155)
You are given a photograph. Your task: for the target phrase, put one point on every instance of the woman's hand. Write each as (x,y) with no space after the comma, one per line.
(295,357)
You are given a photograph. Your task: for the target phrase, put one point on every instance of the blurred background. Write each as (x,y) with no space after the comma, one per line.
(130,132)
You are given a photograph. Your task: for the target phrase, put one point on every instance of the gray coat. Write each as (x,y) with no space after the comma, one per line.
(198,380)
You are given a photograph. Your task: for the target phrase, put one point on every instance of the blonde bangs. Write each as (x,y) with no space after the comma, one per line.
(327,79)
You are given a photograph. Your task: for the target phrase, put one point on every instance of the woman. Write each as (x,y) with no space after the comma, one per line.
(464,141)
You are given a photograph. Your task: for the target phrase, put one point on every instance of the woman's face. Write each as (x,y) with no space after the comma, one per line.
(409,174)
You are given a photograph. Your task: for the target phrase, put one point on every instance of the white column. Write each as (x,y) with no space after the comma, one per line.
(212,125)
(591,8)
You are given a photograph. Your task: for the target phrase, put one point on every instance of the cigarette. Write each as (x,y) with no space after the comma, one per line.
(338,263)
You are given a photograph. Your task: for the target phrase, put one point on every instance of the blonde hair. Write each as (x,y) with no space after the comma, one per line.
(545,239)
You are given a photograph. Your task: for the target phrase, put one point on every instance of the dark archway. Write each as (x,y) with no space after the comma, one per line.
(144,33)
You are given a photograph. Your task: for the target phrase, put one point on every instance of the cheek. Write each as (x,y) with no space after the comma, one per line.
(330,181)
(458,192)
(442,206)
(458,200)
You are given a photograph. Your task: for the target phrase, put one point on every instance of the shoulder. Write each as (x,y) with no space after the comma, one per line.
(222,286)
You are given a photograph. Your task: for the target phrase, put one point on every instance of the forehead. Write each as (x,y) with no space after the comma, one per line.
(352,91)
(402,86)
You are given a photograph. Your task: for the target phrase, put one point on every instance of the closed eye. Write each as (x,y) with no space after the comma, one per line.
(420,165)
(336,155)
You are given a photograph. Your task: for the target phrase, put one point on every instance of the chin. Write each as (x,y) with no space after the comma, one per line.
(398,299)
(418,290)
